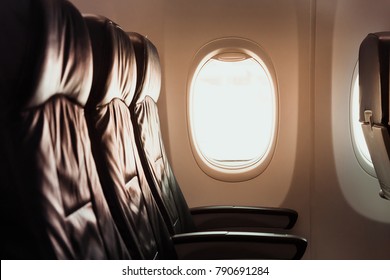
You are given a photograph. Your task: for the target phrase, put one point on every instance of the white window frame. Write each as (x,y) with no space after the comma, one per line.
(231,46)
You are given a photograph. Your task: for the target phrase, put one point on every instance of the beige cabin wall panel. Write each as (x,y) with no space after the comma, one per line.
(282,29)
(144,17)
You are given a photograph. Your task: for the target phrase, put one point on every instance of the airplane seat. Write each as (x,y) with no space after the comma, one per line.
(147,126)
(122,175)
(161,178)
(374,103)
(52,204)
(112,137)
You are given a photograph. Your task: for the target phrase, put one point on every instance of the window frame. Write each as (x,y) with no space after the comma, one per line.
(367,166)
(218,47)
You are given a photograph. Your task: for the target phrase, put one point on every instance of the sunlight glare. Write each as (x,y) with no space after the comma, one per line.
(233,111)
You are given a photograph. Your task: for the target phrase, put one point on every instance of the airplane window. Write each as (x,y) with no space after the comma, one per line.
(359,143)
(232,112)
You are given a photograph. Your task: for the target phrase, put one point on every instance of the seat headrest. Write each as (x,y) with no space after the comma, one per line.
(45,51)
(148,68)
(374,77)
(114,62)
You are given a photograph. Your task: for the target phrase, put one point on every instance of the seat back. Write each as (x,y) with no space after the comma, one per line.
(374,103)
(52,202)
(126,189)
(149,139)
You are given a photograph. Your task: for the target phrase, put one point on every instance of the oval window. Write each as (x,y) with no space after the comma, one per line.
(359,143)
(232,109)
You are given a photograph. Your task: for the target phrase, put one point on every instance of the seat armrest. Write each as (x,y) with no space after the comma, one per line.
(238,245)
(242,217)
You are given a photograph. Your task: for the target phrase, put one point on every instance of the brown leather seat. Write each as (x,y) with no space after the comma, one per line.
(52,202)
(374,77)
(112,136)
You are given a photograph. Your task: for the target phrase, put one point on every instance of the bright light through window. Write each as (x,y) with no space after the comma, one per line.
(358,135)
(233,112)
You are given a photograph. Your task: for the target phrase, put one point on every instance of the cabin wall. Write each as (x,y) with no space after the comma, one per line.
(313,46)
(282,29)
(349,220)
